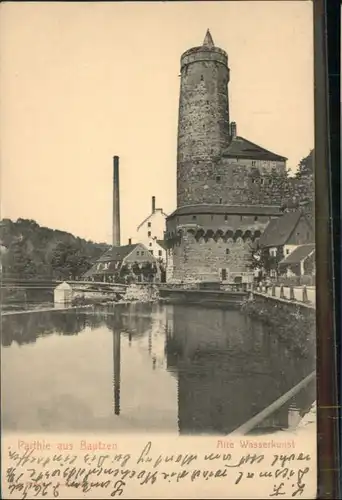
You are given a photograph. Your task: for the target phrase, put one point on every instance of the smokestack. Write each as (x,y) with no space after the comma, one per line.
(116,203)
(153,204)
(233,130)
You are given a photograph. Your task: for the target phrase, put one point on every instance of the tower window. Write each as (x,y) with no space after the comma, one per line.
(150,244)
(149,224)
(218,178)
(149,233)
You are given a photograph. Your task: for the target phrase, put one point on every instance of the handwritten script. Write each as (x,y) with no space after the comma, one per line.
(111,472)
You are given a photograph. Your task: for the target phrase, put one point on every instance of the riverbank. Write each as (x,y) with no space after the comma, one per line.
(290,321)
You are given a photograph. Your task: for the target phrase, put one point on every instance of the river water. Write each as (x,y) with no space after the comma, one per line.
(147,368)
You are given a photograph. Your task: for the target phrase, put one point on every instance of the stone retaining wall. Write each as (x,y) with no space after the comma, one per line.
(292,321)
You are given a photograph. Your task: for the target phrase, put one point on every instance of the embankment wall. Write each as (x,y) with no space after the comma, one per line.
(293,322)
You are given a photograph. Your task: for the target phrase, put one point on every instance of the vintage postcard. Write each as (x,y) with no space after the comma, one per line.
(158,293)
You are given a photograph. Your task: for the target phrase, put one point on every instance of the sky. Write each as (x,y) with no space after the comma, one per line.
(82,82)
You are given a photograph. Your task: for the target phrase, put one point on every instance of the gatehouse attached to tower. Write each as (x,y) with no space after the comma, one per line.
(228,188)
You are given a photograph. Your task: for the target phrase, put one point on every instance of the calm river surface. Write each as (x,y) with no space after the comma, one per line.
(145,367)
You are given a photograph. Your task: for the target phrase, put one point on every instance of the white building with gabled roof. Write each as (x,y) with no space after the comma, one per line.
(150,232)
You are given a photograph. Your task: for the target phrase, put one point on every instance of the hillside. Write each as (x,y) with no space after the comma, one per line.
(31,251)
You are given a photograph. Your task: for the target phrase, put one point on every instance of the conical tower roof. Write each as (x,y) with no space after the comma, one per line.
(208,40)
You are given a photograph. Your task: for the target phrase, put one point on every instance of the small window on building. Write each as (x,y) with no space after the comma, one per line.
(270,181)
(142,253)
(220,201)
(201,78)
(160,253)
(149,224)
(149,233)
(150,244)
(253,163)
(241,217)
(261,181)
(218,178)
(227,251)
(226,217)
(137,253)
(151,251)
(194,217)
(212,217)
(287,251)
(208,102)
(203,125)
(256,218)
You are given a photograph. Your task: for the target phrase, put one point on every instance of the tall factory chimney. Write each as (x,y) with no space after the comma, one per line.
(153,204)
(116,203)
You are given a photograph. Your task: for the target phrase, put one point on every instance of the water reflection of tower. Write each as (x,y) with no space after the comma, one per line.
(117,369)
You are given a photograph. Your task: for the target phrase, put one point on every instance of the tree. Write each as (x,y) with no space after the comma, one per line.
(261,260)
(69,262)
(306,166)
(17,262)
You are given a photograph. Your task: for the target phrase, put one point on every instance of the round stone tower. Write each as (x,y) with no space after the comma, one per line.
(203,122)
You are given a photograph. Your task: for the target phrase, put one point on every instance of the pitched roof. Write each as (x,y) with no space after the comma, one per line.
(279,230)
(160,210)
(299,254)
(242,148)
(162,244)
(117,253)
(226,209)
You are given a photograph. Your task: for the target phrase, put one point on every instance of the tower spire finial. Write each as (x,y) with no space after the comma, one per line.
(208,40)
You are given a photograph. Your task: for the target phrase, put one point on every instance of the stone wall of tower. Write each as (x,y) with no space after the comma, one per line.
(203,259)
(232,181)
(203,122)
